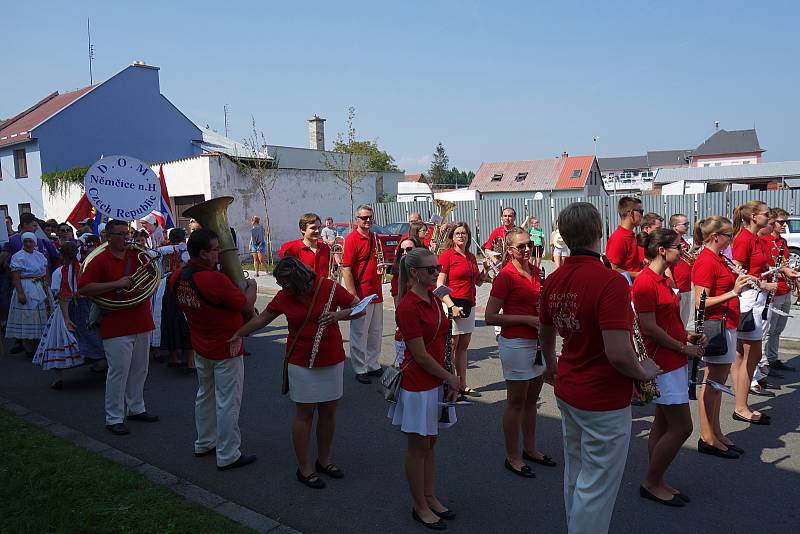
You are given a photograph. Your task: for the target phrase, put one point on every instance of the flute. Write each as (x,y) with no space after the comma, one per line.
(740,272)
(698,329)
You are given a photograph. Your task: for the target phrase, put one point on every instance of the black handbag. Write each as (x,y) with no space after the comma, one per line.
(747,323)
(465,305)
(714,330)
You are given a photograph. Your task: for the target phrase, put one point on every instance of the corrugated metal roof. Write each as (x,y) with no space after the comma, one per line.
(531,175)
(725,142)
(622,163)
(214,142)
(729,173)
(667,158)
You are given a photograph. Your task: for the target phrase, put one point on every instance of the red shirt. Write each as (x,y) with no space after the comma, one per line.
(520,296)
(295,308)
(653,293)
(319,261)
(500,231)
(105,267)
(682,272)
(752,252)
(211,326)
(773,248)
(358,251)
(417,318)
(461,271)
(710,271)
(580,300)
(623,251)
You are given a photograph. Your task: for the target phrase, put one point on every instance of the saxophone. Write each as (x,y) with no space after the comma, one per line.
(439,235)
(448,365)
(648,389)
(320,329)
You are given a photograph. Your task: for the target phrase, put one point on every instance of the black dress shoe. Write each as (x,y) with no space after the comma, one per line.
(762,420)
(363,378)
(332,470)
(705,448)
(438,525)
(674,501)
(312,480)
(212,450)
(544,460)
(734,448)
(445,514)
(144,417)
(685,498)
(243,460)
(118,429)
(375,372)
(777,364)
(525,471)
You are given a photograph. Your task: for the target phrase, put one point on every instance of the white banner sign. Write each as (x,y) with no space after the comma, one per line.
(122,187)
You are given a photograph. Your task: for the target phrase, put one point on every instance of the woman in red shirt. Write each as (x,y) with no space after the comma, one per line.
(460,273)
(316,358)
(722,287)
(424,327)
(406,245)
(515,291)
(751,254)
(659,311)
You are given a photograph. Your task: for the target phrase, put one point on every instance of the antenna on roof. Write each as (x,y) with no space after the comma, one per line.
(91,49)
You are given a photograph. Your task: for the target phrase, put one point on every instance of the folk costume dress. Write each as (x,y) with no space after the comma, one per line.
(65,286)
(27,321)
(58,348)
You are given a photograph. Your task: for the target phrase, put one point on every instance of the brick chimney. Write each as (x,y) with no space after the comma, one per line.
(316,133)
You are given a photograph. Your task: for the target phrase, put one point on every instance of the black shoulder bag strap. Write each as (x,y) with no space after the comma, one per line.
(187,274)
(366,263)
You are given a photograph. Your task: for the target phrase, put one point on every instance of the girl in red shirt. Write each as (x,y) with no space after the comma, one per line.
(424,327)
(315,367)
(722,287)
(751,254)
(460,273)
(659,312)
(406,245)
(516,291)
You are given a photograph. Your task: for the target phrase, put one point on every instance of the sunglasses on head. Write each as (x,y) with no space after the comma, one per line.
(364,217)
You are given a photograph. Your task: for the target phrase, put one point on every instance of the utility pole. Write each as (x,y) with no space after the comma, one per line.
(91,49)
(225,111)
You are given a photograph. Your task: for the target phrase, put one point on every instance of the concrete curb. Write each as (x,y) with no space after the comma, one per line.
(191,492)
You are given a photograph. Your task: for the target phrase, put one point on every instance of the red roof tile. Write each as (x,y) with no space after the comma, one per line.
(17,129)
(574,172)
(416,178)
(532,175)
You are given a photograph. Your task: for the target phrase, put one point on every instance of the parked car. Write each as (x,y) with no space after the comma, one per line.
(388,239)
(792,236)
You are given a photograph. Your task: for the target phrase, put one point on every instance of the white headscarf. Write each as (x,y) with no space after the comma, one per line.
(29,235)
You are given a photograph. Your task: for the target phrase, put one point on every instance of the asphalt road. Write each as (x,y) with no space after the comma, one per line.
(752,494)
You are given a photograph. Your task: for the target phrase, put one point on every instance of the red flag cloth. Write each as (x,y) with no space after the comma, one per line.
(168,216)
(83,210)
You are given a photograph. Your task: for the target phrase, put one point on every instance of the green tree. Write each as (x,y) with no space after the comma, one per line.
(348,166)
(379,160)
(439,173)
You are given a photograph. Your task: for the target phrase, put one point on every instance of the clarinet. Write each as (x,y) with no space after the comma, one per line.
(698,329)
(771,294)
(740,272)
(538,360)
(448,365)
(648,389)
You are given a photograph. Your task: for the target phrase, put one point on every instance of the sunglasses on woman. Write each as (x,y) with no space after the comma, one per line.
(432,269)
(405,250)
(524,246)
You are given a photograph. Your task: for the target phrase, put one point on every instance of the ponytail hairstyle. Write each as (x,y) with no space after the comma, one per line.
(294,276)
(704,228)
(661,237)
(743,215)
(513,231)
(410,260)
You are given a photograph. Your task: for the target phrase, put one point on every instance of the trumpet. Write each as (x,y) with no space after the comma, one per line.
(337,248)
(689,255)
(380,259)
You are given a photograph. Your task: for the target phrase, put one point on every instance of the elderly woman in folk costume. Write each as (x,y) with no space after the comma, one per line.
(30,300)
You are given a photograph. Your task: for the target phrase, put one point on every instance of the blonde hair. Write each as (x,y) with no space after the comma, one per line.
(704,228)
(743,215)
(513,231)
(410,260)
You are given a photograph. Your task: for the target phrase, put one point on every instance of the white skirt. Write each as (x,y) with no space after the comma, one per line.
(517,356)
(728,357)
(464,325)
(674,386)
(318,384)
(27,321)
(58,348)
(418,412)
(751,299)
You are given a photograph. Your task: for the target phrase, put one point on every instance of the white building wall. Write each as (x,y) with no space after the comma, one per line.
(724,162)
(15,191)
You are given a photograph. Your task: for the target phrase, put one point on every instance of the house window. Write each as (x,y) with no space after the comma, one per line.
(496,177)
(20,163)
(4,209)
(184,203)
(718,164)
(576,173)
(745,162)
(24,208)
(521,176)
(706,165)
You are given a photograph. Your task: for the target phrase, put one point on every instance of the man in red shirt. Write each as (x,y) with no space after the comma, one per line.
(589,307)
(125,332)
(311,250)
(682,272)
(361,277)
(622,250)
(781,301)
(509,220)
(213,306)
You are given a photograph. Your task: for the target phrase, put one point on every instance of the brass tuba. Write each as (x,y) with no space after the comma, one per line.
(212,215)
(144,280)
(440,234)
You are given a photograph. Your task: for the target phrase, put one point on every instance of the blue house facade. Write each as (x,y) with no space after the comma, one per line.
(126,114)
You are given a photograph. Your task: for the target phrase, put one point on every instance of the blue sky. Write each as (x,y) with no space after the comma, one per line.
(490,80)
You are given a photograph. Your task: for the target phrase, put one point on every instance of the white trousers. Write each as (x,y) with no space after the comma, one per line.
(365,340)
(595,452)
(775,325)
(687,307)
(127,358)
(216,408)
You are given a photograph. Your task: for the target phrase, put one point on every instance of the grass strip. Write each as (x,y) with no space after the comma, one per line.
(51,485)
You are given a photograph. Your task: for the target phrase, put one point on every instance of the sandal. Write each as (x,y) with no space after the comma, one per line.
(469,392)
(312,480)
(332,470)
